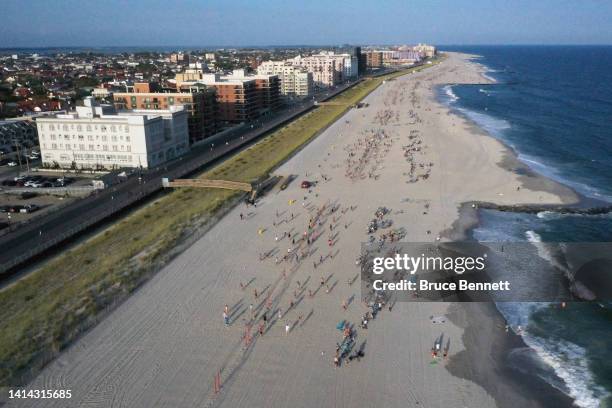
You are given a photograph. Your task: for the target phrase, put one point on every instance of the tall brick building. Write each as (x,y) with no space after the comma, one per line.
(374,59)
(200,102)
(240,97)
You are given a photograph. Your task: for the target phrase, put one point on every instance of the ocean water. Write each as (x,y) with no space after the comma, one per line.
(553,107)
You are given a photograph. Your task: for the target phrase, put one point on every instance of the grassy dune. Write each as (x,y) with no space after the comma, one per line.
(43,312)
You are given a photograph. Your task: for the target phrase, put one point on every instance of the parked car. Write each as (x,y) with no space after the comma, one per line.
(306,184)
(12,164)
(29,208)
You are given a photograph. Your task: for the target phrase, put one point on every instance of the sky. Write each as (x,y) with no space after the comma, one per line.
(93,23)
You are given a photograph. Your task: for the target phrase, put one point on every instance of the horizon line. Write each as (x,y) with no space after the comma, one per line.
(307,45)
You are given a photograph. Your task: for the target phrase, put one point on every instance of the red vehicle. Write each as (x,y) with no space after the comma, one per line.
(306,184)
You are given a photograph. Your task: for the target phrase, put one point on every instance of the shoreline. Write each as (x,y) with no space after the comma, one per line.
(465,315)
(477,318)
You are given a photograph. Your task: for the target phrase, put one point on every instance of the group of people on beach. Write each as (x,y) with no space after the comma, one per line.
(366,155)
(293,247)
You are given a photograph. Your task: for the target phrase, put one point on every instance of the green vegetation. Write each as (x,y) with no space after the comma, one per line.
(46,310)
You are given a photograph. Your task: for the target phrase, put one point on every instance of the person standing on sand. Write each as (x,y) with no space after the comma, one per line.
(287,328)
(226,319)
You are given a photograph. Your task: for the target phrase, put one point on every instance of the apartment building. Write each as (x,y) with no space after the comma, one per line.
(374,59)
(237,98)
(294,81)
(350,67)
(240,97)
(199,102)
(327,68)
(97,137)
(428,51)
(267,88)
(326,72)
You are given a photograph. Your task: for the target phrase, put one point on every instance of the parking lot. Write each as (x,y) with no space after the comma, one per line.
(17,208)
(25,196)
(37,181)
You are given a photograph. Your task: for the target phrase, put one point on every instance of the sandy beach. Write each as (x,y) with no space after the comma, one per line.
(405,151)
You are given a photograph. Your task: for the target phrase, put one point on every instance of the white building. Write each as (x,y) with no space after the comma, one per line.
(327,68)
(326,71)
(295,81)
(96,136)
(426,50)
(100,93)
(351,66)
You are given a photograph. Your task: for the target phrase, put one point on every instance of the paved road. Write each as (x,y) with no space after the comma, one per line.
(31,239)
